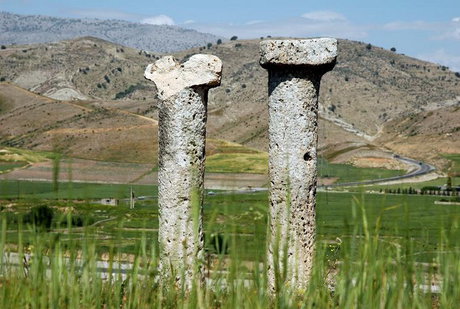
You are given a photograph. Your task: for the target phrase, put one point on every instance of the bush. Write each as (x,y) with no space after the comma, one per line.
(457,74)
(3,47)
(393,49)
(40,217)
(2,79)
(209,45)
(369,46)
(238,45)
(234,38)
(128,91)
(219,41)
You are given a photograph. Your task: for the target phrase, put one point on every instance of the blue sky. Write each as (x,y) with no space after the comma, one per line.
(424,29)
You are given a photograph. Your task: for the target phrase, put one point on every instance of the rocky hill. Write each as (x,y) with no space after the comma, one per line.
(26,29)
(370,91)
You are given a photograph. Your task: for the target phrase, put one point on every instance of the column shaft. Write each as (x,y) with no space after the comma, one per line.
(293,135)
(182,134)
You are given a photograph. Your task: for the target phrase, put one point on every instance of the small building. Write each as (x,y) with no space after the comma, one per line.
(109,202)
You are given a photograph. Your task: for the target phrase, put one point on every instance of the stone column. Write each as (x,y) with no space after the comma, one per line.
(295,68)
(183,89)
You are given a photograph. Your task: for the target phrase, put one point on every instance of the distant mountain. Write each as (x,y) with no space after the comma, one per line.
(27,29)
(373,99)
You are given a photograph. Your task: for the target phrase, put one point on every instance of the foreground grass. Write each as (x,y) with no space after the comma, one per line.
(362,270)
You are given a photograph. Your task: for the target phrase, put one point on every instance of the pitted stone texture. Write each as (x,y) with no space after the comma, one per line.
(293,137)
(183,89)
(181,170)
(313,52)
(171,77)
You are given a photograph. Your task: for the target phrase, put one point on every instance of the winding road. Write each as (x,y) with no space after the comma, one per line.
(421,168)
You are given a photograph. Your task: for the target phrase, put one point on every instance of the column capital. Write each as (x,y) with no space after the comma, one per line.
(298,53)
(171,77)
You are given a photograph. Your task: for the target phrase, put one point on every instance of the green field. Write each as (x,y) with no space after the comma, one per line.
(349,173)
(69,190)
(229,157)
(243,216)
(454,168)
(7,166)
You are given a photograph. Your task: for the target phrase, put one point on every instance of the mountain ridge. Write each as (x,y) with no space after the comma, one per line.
(369,91)
(30,29)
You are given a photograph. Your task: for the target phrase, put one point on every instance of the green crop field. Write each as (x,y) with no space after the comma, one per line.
(7,166)
(350,173)
(243,216)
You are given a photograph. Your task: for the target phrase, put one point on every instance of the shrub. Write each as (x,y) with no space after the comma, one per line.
(107,79)
(457,74)
(393,49)
(369,46)
(3,47)
(2,79)
(219,41)
(40,217)
(238,45)
(234,38)
(209,45)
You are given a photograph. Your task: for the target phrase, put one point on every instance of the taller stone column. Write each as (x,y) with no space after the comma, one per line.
(183,89)
(295,68)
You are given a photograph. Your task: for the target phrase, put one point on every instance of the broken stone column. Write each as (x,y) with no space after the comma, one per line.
(183,89)
(295,68)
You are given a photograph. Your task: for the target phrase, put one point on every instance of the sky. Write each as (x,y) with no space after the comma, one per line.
(428,30)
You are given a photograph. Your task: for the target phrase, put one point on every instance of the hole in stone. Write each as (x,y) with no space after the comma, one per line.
(307,156)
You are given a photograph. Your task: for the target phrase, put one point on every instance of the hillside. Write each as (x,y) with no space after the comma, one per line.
(426,134)
(362,99)
(26,29)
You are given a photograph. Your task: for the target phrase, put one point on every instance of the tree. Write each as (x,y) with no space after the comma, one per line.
(369,46)
(3,47)
(234,38)
(209,45)
(393,49)
(457,74)
(219,41)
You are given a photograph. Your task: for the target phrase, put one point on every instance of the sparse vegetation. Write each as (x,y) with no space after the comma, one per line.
(128,91)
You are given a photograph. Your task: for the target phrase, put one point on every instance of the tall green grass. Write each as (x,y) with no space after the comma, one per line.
(362,268)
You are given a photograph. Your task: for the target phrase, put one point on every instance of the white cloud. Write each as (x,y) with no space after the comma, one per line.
(456,19)
(158,20)
(443,57)
(325,16)
(189,21)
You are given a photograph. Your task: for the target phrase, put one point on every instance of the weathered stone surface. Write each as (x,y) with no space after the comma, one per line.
(293,135)
(170,77)
(182,133)
(298,52)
